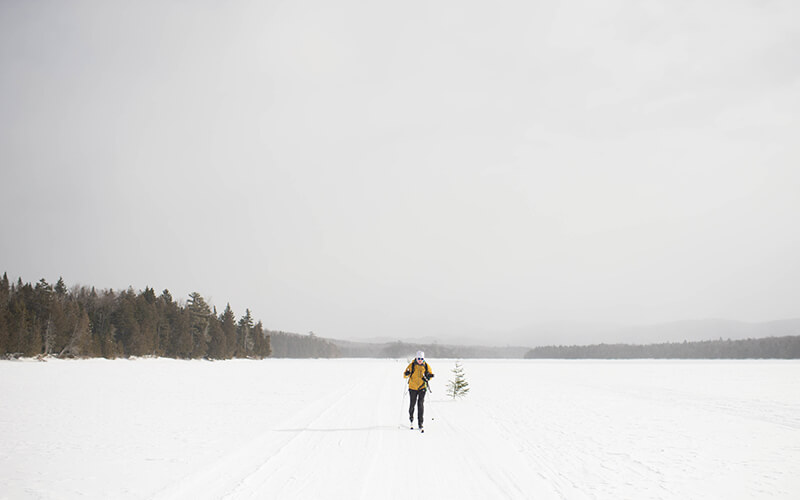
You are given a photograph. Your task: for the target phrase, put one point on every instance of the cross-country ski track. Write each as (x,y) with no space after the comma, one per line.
(355,442)
(165,429)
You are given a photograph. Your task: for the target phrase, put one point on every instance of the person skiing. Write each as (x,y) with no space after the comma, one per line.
(418,373)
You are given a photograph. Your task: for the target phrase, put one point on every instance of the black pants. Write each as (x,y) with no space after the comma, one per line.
(418,398)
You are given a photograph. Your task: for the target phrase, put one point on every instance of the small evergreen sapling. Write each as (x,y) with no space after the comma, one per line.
(458,387)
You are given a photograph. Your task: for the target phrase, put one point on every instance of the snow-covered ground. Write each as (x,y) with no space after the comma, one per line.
(157,428)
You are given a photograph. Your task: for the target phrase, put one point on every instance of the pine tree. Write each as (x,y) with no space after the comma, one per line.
(458,387)
(180,328)
(128,330)
(163,338)
(261,341)
(5,337)
(42,321)
(199,313)
(228,322)
(217,345)
(146,315)
(80,343)
(61,324)
(61,287)
(245,341)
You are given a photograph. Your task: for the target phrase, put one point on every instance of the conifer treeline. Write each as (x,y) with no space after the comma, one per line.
(765,348)
(45,319)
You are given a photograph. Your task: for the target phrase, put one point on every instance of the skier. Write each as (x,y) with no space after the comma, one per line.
(418,373)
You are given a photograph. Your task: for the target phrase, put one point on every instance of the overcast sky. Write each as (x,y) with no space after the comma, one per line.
(365,169)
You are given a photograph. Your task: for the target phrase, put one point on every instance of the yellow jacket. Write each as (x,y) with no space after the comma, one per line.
(415,380)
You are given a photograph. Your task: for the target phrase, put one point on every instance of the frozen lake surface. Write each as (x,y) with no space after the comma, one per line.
(278,428)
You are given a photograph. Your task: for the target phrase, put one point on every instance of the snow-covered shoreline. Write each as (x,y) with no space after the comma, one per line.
(331,428)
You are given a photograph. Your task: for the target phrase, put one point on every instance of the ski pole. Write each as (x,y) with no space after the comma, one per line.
(430,401)
(403,400)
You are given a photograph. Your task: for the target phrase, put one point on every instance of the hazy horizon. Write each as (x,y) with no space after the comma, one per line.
(425,169)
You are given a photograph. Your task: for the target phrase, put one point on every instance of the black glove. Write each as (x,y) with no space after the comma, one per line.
(430,376)
(407,373)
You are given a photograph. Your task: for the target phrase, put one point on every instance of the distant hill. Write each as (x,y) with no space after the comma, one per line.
(762,348)
(710,329)
(677,331)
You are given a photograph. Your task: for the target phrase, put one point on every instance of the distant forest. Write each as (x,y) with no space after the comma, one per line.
(45,319)
(765,348)
(400,349)
(293,345)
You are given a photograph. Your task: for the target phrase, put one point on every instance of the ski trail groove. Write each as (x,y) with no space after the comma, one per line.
(250,482)
(217,478)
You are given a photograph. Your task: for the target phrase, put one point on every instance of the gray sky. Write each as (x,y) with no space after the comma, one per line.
(362,168)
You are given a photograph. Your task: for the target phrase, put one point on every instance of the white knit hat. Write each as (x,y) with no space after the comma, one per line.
(420,354)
